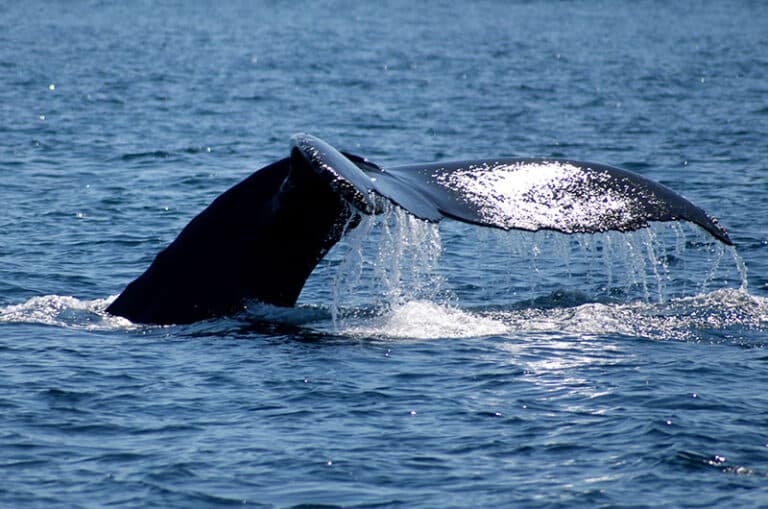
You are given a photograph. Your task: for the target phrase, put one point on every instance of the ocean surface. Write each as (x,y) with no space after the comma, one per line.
(424,366)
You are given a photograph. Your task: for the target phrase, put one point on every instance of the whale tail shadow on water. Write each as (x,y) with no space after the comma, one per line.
(262,238)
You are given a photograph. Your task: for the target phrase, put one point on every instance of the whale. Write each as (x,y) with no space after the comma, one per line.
(262,238)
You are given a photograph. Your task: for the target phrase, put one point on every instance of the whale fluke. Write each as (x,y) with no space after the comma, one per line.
(262,238)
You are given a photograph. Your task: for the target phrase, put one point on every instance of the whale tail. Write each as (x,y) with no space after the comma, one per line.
(258,240)
(262,238)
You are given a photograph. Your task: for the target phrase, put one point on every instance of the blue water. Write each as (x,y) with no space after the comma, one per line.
(424,366)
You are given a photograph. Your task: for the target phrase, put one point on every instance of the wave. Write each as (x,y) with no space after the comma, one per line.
(65,311)
(730,315)
(717,314)
(687,318)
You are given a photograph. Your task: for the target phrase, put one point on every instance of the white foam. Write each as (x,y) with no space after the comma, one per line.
(427,320)
(679,318)
(64,311)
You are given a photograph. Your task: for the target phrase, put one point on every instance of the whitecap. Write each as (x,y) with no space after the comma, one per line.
(64,311)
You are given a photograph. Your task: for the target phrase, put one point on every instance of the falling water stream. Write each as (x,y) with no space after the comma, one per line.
(398,276)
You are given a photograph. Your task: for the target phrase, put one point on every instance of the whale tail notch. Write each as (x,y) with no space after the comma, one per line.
(262,238)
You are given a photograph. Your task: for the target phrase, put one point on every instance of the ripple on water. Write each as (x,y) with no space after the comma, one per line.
(532,371)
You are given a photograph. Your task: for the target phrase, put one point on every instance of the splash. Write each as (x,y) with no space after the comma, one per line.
(64,311)
(388,260)
(705,316)
(721,315)
(398,276)
(421,319)
(395,276)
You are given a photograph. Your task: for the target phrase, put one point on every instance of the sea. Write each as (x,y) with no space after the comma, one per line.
(425,365)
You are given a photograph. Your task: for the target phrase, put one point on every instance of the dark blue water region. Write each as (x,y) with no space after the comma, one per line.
(423,367)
